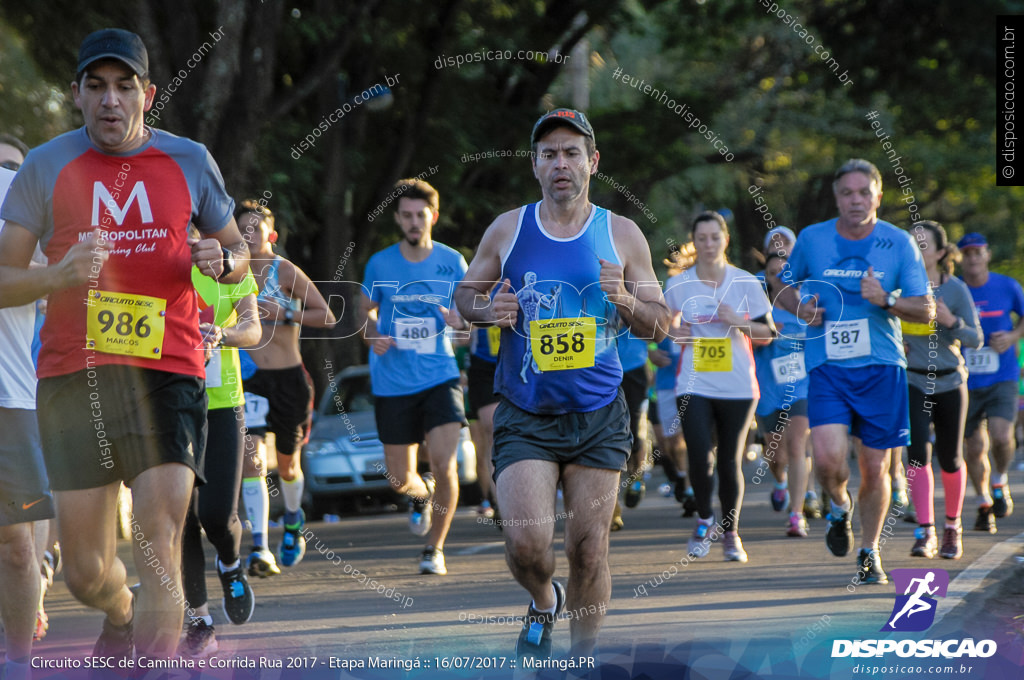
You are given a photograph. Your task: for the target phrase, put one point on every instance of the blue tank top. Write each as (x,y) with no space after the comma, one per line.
(780,366)
(561,356)
(632,352)
(272,292)
(665,376)
(485,343)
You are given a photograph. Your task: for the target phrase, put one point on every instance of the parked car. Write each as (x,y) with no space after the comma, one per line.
(344,459)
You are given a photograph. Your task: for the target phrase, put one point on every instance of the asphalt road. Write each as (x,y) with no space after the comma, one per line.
(774,617)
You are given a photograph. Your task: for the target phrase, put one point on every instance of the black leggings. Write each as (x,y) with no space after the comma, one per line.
(214,504)
(705,421)
(947,411)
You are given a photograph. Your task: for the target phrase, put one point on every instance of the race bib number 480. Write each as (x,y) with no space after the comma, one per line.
(122,323)
(560,344)
(847,339)
(418,335)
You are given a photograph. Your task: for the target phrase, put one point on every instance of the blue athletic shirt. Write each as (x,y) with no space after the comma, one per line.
(780,368)
(994,301)
(485,343)
(665,376)
(557,283)
(632,352)
(409,295)
(856,332)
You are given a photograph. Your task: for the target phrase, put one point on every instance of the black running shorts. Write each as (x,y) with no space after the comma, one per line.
(110,423)
(598,439)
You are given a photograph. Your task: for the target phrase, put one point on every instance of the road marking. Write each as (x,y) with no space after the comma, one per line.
(474,549)
(972,577)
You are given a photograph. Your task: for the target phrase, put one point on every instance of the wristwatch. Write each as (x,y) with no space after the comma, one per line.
(890,300)
(228,260)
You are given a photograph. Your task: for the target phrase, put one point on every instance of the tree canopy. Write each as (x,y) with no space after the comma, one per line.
(466,79)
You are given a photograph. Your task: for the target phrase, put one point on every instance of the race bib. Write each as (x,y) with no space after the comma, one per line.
(789,369)
(712,355)
(493,340)
(910,328)
(127,324)
(256,410)
(418,335)
(982,361)
(847,339)
(213,370)
(561,344)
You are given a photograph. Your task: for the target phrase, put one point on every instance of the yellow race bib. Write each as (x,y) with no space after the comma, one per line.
(712,355)
(493,340)
(911,328)
(122,323)
(560,344)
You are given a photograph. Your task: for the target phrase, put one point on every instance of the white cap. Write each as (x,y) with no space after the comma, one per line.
(785,231)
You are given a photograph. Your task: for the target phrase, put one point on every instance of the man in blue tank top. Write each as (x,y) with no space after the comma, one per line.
(405,308)
(851,270)
(571,278)
(992,381)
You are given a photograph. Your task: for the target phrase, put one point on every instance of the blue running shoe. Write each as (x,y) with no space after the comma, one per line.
(535,638)
(780,499)
(293,543)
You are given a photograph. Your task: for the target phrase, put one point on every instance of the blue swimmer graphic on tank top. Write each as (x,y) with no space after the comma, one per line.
(856,332)
(561,356)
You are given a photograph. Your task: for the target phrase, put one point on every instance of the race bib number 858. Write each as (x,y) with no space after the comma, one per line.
(560,344)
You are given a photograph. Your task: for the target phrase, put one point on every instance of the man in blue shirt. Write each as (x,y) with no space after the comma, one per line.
(569,276)
(851,269)
(405,307)
(992,380)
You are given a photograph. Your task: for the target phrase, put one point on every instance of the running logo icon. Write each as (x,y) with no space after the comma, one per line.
(914,610)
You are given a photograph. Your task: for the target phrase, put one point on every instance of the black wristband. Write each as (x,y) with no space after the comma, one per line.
(227,262)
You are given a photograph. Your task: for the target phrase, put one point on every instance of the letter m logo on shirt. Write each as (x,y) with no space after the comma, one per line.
(100,194)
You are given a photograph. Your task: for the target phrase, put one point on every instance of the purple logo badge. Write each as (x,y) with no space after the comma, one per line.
(916,590)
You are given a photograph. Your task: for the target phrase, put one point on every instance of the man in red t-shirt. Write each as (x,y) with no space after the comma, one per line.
(121,395)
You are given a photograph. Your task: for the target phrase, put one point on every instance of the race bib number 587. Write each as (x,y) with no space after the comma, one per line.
(122,323)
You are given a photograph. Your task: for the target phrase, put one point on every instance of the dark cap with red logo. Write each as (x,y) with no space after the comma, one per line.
(570,117)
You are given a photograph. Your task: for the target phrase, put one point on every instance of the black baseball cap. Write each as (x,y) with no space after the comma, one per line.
(114,43)
(571,117)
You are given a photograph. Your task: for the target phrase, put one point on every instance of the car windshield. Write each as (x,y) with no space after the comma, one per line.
(353,396)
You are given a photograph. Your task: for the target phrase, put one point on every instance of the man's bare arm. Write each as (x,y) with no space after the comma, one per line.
(20,285)
(473,296)
(633,287)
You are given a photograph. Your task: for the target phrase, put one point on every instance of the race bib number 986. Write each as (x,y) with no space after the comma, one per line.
(123,323)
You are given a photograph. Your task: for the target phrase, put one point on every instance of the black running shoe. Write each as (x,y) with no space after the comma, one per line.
(535,638)
(200,640)
(839,536)
(117,641)
(238,599)
(1002,502)
(986,520)
(635,493)
(869,568)
(689,505)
